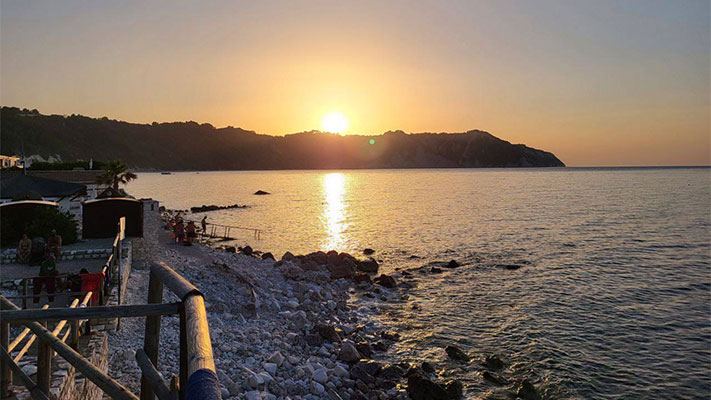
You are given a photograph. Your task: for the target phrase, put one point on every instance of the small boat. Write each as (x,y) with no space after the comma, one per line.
(166,173)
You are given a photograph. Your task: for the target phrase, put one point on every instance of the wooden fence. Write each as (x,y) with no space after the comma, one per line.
(198,377)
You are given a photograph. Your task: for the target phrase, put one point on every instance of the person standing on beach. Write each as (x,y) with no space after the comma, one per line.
(179,231)
(24,250)
(203,223)
(47,277)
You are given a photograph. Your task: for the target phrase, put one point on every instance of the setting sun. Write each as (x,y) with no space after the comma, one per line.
(334,122)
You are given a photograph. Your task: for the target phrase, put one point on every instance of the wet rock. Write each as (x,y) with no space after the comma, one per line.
(328,332)
(511,267)
(370,266)
(452,264)
(246,250)
(288,256)
(365,371)
(428,368)
(394,336)
(364,349)
(527,391)
(368,251)
(380,346)
(268,256)
(261,193)
(493,378)
(420,387)
(391,372)
(493,362)
(231,249)
(455,389)
(455,353)
(341,269)
(361,277)
(436,270)
(348,353)
(385,281)
(309,265)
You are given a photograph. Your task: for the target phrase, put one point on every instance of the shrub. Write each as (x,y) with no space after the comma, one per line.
(36,221)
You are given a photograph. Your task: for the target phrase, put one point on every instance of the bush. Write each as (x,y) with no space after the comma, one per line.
(36,221)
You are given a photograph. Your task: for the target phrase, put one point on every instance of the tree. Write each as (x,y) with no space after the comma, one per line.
(116,173)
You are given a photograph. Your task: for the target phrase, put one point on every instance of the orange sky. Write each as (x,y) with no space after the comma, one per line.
(597,83)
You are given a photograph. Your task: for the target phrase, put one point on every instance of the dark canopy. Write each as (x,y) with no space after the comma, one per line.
(21,184)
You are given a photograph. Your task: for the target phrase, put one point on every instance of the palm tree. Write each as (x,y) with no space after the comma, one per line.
(116,173)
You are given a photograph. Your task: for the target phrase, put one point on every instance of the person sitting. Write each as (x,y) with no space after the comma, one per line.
(190,233)
(47,277)
(24,250)
(54,244)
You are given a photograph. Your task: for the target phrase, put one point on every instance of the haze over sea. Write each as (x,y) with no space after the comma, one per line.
(612,300)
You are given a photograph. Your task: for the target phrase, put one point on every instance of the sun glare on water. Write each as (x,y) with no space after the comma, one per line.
(334,122)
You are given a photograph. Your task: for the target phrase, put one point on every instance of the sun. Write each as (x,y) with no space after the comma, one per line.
(334,122)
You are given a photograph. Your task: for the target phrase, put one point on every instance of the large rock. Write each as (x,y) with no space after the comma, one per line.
(493,362)
(527,391)
(370,266)
(420,387)
(365,371)
(348,353)
(342,269)
(455,353)
(328,332)
(385,281)
(361,277)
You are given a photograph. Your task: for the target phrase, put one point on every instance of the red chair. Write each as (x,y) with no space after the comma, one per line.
(93,283)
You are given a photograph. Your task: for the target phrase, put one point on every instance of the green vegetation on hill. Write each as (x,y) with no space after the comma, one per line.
(193,146)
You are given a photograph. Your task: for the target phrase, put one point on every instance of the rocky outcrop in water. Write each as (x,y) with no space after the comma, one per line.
(204,208)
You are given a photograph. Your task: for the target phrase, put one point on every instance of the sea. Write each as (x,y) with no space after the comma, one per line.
(609,296)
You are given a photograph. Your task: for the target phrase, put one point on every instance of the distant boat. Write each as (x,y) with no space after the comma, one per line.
(166,173)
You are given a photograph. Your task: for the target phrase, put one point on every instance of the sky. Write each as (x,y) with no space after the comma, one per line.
(596,82)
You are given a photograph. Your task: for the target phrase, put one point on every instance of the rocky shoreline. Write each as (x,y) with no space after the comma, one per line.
(296,328)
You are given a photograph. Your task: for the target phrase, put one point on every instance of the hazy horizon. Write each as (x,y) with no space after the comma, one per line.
(598,84)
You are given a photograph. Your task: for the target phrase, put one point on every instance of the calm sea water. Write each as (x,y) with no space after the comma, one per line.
(613,301)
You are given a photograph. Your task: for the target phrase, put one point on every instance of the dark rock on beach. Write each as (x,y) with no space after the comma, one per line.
(246,250)
(452,264)
(420,387)
(428,368)
(361,277)
(385,281)
(370,266)
(493,362)
(455,353)
(231,249)
(365,371)
(436,270)
(261,192)
(267,256)
(527,391)
(368,251)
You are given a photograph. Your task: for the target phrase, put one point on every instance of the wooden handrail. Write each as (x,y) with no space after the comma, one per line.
(34,389)
(153,377)
(58,314)
(94,374)
(22,335)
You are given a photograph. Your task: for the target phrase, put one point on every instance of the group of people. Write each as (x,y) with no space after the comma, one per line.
(184,233)
(38,248)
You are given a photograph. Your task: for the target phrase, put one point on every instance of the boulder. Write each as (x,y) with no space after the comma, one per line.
(365,371)
(452,264)
(455,389)
(288,256)
(364,349)
(391,372)
(261,193)
(370,266)
(436,270)
(368,251)
(309,265)
(348,353)
(231,249)
(493,378)
(385,281)
(493,362)
(268,256)
(246,250)
(455,353)
(341,269)
(527,391)
(328,332)
(420,387)
(428,368)
(362,277)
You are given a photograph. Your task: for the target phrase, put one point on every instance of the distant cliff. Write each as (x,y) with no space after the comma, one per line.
(193,146)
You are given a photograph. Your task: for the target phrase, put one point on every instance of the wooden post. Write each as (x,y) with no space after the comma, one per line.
(25,291)
(183,355)
(6,374)
(44,364)
(74,334)
(151,341)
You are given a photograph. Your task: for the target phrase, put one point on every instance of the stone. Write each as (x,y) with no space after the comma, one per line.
(246,250)
(455,389)
(527,391)
(276,358)
(369,265)
(391,372)
(385,281)
(341,269)
(493,362)
(368,251)
(29,369)
(328,332)
(493,378)
(455,353)
(268,256)
(387,335)
(452,264)
(362,277)
(317,388)
(420,387)
(253,395)
(348,353)
(271,368)
(365,371)
(320,376)
(261,193)
(428,368)
(231,249)
(364,349)
(288,256)
(436,270)
(340,372)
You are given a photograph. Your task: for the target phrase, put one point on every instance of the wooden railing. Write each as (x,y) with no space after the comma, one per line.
(198,377)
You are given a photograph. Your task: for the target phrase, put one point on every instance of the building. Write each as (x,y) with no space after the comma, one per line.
(68,195)
(87,178)
(9,162)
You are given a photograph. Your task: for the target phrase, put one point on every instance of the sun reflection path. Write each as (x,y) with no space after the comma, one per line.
(334,211)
